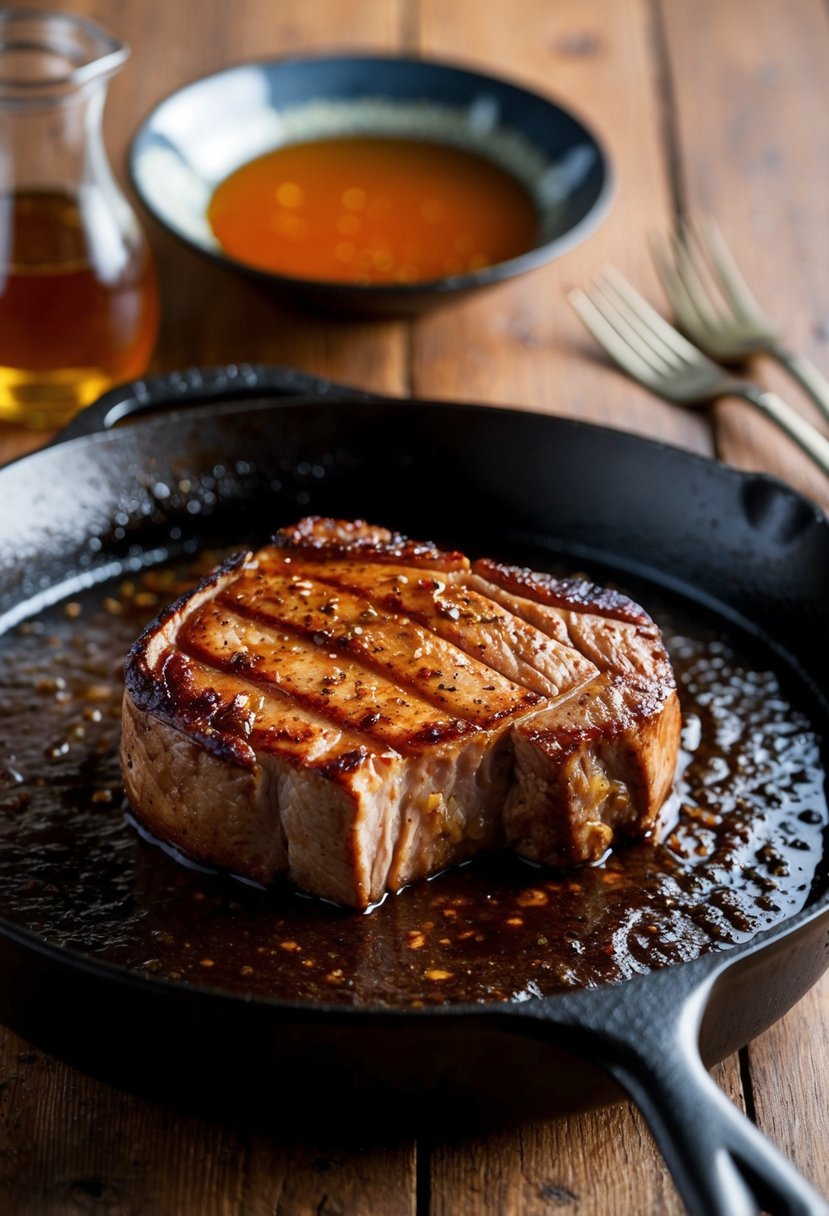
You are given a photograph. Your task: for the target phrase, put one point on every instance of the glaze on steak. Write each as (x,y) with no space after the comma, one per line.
(359,710)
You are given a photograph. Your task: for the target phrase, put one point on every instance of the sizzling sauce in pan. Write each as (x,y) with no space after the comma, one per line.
(741,845)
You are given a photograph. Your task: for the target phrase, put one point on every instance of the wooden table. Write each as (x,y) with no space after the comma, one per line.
(719,106)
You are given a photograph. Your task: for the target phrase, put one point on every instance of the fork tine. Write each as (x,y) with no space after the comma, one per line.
(701,285)
(649,317)
(617,347)
(632,327)
(711,242)
(687,307)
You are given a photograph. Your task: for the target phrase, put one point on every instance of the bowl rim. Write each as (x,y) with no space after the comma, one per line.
(495,272)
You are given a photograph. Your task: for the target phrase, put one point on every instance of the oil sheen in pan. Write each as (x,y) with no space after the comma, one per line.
(741,845)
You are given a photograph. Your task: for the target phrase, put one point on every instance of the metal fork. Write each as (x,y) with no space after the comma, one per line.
(654,353)
(714,306)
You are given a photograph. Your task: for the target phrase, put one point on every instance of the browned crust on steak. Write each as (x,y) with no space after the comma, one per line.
(579,595)
(373,709)
(315,536)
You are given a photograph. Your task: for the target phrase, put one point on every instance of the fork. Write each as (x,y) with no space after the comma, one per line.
(715,307)
(650,350)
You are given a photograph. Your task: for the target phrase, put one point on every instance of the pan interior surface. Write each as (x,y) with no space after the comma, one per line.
(742,844)
(739,850)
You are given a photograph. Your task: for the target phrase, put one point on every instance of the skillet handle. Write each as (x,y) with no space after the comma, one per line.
(200,386)
(721,1163)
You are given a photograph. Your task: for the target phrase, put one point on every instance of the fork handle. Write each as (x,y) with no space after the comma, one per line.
(796,427)
(806,374)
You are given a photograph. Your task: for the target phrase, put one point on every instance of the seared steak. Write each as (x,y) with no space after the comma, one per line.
(360,710)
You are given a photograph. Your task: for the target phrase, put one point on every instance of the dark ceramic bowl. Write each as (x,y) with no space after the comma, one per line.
(201,133)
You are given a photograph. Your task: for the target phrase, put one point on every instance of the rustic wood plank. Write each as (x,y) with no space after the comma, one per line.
(595,1163)
(790,1083)
(754,157)
(70,1144)
(521,343)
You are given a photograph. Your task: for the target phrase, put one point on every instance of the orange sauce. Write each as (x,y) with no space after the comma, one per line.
(371,209)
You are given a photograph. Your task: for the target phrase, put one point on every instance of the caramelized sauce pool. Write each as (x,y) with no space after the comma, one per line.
(370,209)
(741,846)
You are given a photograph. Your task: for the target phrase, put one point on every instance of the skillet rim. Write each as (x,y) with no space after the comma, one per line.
(705,966)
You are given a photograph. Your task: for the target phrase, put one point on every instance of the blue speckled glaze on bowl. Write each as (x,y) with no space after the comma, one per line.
(201,133)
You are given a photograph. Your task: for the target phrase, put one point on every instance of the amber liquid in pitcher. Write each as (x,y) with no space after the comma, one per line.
(71,323)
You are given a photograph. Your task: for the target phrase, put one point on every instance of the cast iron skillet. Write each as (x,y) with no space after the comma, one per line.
(84,508)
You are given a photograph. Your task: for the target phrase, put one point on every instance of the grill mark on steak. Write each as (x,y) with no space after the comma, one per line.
(611,644)
(487,632)
(392,645)
(340,690)
(208,702)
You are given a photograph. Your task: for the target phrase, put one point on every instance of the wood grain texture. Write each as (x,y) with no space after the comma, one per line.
(594,1164)
(748,80)
(71,1145)
(789,1067)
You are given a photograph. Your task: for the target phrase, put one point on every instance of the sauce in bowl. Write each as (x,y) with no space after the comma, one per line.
(370,209)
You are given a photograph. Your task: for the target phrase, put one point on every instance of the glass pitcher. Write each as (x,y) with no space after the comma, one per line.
(78,295)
